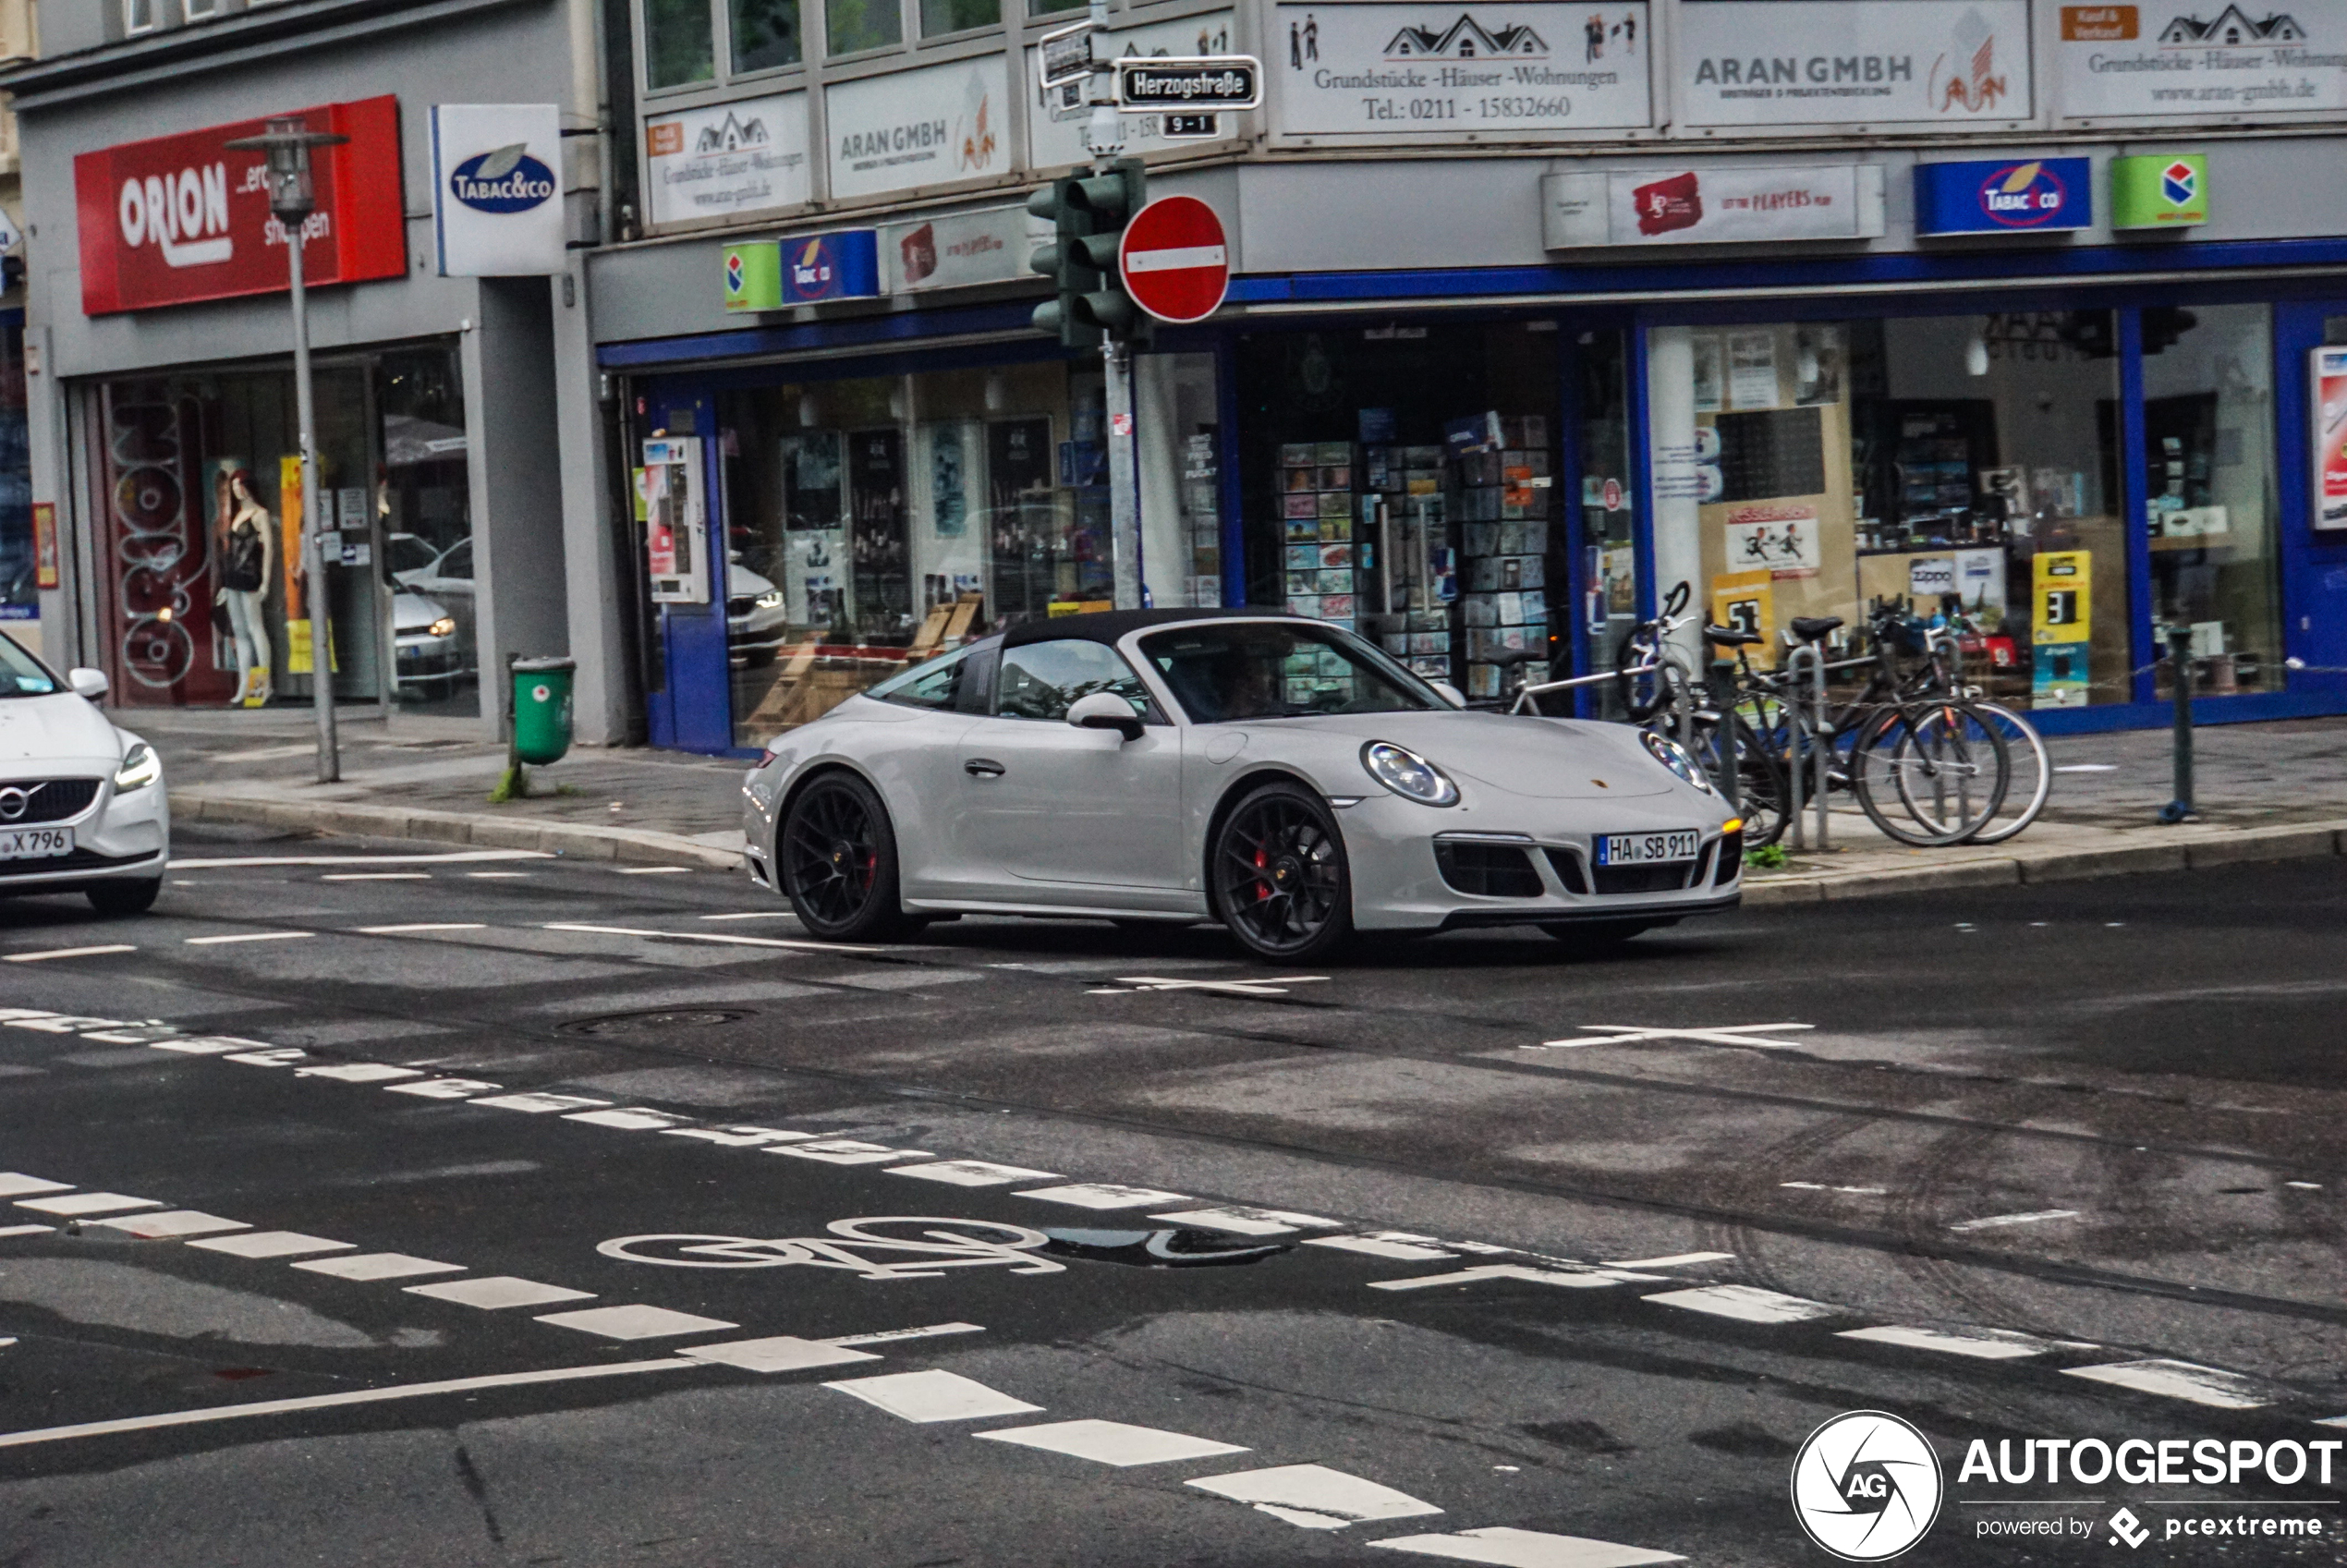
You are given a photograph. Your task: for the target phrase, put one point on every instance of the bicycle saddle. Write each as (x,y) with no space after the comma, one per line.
(1809,629)
(1730,636)
(1507,659)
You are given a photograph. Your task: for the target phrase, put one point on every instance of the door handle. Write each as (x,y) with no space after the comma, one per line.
(984,767)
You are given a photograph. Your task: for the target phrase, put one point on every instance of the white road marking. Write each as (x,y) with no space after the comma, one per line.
(53,1023)
(360,1072)
(1623,1034)
(496,876)
(2087,768)
(1314,1496)
(1505,1548)
(208,1045)
(755,914)
(933,1396)
(27,1230)
(328,1400)
(1272,987)
(973,1173)
(1377,1246)
(87,1203)
(539,1104)
(276,1056)
(424,926)
(927,1331)
(1112,1442)
(711,936)
(496,1292)
(378,1266)
(1987,1344)
(634,1119)
(1102,1194)
(376,877)
(652,870)
(782,1352)
(446,1089)
(1673,1261)
(635,1321)
(2178,1380)
(1241,1220)
(2304,1186)
(247,936)
(16,1184)
(1571,1279)
(1820,1187)
(1748,1302)
(738,1138)
(70,953)
(846,1151)
(272,1243)
(452,858)
(173,1223)
(2332,1421)
(1998,1222)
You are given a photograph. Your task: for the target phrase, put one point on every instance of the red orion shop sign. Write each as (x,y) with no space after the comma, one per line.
(181,218)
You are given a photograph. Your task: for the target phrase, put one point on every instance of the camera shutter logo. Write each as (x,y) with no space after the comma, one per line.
(1867,1486)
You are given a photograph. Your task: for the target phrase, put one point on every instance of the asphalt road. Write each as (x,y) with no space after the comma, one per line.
(370,1204)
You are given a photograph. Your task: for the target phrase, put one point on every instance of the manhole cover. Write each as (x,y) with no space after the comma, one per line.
(664,1018)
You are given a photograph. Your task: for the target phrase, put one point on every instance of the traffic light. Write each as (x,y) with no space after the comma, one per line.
(1089,213)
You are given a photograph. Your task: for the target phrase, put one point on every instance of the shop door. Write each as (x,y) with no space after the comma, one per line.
(347,461)
(693,709)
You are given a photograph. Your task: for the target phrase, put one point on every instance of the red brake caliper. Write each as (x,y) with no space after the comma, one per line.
(1262,861)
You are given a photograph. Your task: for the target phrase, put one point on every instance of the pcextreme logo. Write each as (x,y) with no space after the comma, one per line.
(1866,1486)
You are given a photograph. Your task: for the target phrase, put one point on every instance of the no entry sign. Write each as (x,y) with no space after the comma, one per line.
(1176,265)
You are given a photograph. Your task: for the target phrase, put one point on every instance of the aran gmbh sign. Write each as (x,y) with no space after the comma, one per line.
(497,190)
(179,219)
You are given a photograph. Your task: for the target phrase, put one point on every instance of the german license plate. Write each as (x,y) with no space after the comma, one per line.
(35,844)
(1641,849)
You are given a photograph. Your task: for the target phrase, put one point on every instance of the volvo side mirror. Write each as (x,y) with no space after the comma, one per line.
(91,684)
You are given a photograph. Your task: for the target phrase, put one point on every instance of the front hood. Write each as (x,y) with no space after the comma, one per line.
(59,728)
(1537,759)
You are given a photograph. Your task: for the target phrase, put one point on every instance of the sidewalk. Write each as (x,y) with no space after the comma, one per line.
(2265,791)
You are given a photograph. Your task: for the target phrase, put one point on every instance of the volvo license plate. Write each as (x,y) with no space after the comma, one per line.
(1642,849)
(35,844)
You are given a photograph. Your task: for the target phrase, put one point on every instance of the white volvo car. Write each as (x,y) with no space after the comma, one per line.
(81,803)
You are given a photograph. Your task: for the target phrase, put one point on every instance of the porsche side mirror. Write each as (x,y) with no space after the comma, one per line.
(1449,693)
(91,683)
(1104,711)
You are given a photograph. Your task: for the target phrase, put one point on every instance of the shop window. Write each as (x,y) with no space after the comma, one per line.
(1400,480)
(1959,467)
(959,16)
(852,25)
(680,46)
(1176,410)
(2211,504)
(423,501)
(19,578)
(877,522)
(765,35)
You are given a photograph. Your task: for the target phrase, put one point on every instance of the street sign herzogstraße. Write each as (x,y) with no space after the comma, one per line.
(1202,81)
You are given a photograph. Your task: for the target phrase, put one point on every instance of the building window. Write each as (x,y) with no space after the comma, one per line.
(203,10)
(766,35)
(854,25)
(1053,7)
(680,46)
(140,15)
(1963,467)
(959,16)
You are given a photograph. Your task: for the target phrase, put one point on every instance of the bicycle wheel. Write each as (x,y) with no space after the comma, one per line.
(1926,778)
(2032,773)
(1763,793)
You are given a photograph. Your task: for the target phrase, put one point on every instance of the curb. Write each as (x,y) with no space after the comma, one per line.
(578,841)
(2228,847)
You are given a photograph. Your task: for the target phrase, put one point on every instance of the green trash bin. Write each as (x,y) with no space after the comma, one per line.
(541,708)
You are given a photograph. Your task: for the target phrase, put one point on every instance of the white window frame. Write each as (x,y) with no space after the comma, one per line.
(203,10)
(132,27)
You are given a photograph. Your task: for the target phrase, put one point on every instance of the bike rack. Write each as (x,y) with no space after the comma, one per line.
(1809,656)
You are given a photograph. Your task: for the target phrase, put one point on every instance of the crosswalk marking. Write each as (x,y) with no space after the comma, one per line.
(1504,1548)
(1749,1303)
(16,1184)
(932,1396)
(173,1225)
(496,1292)
(423,926)
(1985,1344)
(1102,1194)
(635,1321)
(271,1243)
(1314,1496)
(368,1266)
(780,1353)
(1570,1279)
(724,937)
(1112,1442)
(247,936)
(81,1203)
(2178,1380)
(69,953)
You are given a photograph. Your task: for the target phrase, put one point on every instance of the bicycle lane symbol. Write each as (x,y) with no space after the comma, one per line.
(863,1246)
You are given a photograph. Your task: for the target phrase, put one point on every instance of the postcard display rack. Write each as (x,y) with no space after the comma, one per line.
(1502,510)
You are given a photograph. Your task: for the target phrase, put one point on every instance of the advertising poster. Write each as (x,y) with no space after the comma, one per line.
(2330,404)
(928,126)
(1712,205)
(1407,71)
(1745,601)
(1778,537)
(497,189)
(1752,369)
(2178,58)
(1841,62)
(44,544)
(2062,629)
(727,159)
(1055,117)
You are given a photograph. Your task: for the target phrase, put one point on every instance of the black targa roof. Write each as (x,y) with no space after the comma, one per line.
(1108,625)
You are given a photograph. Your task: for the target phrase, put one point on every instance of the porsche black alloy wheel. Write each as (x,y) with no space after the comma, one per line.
(1281,884)
(838,860)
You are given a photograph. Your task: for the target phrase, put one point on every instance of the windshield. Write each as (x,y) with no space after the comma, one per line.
(1275,670)
(20,673)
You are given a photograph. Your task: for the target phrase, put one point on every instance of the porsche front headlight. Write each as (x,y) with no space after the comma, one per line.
(1673,756)
(1408,774)
(140,767)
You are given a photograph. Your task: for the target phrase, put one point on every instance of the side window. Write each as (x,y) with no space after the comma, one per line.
(934,687)
(1042,679)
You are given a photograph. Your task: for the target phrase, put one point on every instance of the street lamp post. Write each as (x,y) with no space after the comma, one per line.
(292,197)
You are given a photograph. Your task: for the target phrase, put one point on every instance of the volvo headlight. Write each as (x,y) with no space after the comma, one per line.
(445,626)
(770,599)
(1673,756)
(1408,774)
(140,767)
